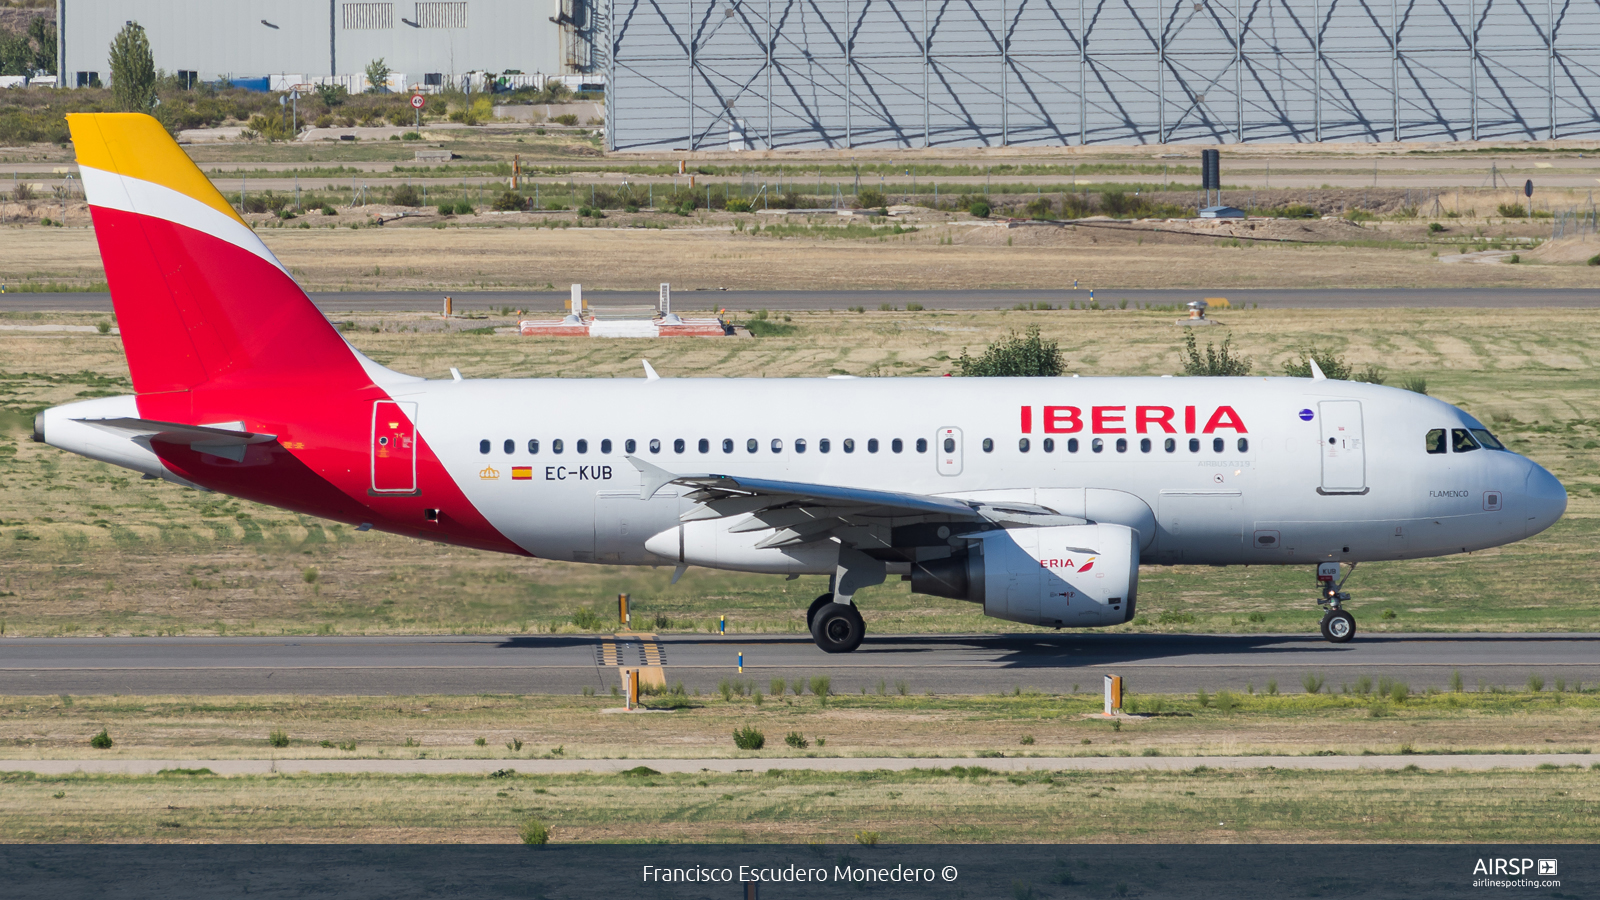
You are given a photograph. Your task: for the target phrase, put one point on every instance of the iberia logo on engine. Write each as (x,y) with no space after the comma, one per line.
(1067,564)
(1144,420)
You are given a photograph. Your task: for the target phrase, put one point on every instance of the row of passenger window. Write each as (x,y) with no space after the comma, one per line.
(848,445)
(1461,440)
(752,445)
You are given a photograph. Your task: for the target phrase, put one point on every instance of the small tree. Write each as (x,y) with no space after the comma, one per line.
(1216,361)
(377,76)
(979,209)
(1026,355)
(1332,364)
(133,70)
(870,198)
(332,95)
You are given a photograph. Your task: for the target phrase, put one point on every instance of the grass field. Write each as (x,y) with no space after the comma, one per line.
(86,548)
(942,805)
(950,800)
(1356,717)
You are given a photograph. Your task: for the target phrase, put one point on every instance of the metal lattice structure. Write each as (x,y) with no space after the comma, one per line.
(758,74)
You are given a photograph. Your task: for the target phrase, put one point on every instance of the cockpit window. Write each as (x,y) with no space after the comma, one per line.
(1486,439)
(1461,441)
(1435,440)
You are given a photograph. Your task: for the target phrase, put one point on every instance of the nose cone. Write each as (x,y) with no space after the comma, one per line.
(1546,499)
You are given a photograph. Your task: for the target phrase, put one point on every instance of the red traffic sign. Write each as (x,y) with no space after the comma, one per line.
(418,101)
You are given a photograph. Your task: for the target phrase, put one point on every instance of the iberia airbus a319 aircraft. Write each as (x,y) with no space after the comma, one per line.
(1038,498)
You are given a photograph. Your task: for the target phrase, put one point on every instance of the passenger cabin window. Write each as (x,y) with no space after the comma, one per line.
(556,446)
(1097,445)
(1144,445)
(752,445)
(777,446)
(678,445)
(823,446)
(1022,445)
(533,446)
(922,445)
(872,445)
(583,445)
(605,446)
(1170,446)
(1049,445)
(1122,445)
(1072,445)
(897,445)
(655,445)
(483,446)
(799,445)
(510,446)
(1244,445)
(1461,441)
(727,445)
(705,446)
(1194,445)
(849,445)
(630,445)
(988,445)
(1485,439)
(1217,445)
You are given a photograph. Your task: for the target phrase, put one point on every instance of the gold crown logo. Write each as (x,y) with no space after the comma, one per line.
(488,473)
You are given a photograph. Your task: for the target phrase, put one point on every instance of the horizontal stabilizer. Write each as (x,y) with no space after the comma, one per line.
(223,440)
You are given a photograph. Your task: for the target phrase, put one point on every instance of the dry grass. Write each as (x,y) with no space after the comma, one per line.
(711,254)
(955,805)
(867,724)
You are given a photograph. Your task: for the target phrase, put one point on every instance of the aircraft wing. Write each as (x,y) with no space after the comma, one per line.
(801,512)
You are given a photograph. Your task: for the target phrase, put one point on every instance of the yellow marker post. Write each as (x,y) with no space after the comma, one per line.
(1113,694)
(722,624)
(622,611)
(632,678)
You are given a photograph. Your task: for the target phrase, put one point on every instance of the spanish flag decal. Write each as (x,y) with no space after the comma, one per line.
(522,473)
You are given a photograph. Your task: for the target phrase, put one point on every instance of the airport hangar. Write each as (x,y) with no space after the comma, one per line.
(260,44)
(887,74)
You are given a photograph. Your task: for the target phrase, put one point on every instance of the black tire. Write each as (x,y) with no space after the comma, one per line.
(838,628)
(1338,627)
(820,602)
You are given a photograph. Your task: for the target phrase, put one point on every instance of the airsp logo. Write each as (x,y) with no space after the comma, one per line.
(1500,866)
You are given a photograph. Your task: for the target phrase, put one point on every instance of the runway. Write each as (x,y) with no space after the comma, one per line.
(689,300)
(946,664)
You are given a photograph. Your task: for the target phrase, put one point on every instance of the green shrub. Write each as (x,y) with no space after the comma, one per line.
(1435,228)
(480,742)
(1298,211)
(796,740)
(1312,682)
(1415,384)
(1332,364)
(870,198)
(822,686)
(565,119)
(509,201)
(406,195)
(1024,355)
(101,741)
(737,205)
(464,208)
(914,307)
(1594,260)
(867,838)
(278,738)
(1512,211)
(447,209)
(1515,258)
(587,620)
(1027,739)
(328,210)
(534,833)
(309,575)
(748,738)
(1040,208)
(979,209)
(1216,361)
(268,127)
(410,135)
(1535,683)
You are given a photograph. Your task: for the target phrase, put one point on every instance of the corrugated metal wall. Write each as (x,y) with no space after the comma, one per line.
(706,74)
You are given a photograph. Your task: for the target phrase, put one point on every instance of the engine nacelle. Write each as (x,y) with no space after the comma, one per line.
(1062,576)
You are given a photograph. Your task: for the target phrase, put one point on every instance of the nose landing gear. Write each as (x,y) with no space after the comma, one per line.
(1338,625)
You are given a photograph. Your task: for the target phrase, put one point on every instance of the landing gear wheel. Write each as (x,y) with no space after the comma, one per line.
(1338,626)
(820,602)
(837,627)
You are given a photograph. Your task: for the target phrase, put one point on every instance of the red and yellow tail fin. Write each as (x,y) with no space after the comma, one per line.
(199,298)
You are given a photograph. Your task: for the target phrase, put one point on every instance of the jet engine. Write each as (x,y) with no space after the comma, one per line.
(1062,575)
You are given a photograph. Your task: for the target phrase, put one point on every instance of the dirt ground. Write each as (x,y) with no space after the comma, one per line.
(512,253)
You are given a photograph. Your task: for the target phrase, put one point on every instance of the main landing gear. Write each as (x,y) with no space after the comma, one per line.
(1338,625)
(836,627)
